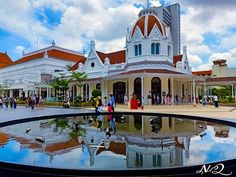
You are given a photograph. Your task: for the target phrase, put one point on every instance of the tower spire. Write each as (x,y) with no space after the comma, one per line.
(148,3)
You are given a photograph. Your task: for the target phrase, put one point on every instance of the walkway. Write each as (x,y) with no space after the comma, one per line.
(22,112)
(228,113)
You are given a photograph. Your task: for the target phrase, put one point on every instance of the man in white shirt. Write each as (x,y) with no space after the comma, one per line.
(216,101)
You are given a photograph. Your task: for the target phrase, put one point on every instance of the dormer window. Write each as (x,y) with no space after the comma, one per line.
(137,49)
(155,48)
(169,50)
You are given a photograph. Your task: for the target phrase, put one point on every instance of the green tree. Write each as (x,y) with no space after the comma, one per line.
(60,84)
(79,77)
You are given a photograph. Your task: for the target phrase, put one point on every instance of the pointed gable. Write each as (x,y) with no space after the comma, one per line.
(5,60)
(114,57)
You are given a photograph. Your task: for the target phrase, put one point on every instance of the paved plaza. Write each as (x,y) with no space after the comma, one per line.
(23,112)
(226,113)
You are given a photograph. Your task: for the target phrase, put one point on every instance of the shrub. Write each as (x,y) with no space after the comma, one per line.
(96,93)
(78,99)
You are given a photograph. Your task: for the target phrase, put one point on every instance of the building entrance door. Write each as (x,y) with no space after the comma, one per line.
(156,90)
(119,91)
(138,89)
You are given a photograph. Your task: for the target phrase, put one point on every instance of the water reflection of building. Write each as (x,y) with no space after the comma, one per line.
(221,131)
(134,141)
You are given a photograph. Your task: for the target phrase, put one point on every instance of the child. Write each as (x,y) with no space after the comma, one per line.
(109,110)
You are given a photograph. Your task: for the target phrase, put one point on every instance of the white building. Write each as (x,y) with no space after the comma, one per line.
(147,67)
(34,70)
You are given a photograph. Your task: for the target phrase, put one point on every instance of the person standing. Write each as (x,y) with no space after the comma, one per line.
(33,99)
(1,102)
(14,102)
(126,99)
(216,101)
(6,99)
(112,102)
(11,102)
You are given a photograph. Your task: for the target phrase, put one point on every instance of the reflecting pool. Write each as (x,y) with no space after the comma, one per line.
(117,142)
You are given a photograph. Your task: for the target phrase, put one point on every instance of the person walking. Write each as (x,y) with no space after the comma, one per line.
(216,101)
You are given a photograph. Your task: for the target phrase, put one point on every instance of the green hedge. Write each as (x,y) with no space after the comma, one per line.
(81,104)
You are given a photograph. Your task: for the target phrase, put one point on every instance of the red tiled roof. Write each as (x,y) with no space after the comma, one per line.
(208,72)
(221,79)
(152,20)
(160,71)
(140,23)
(177,58)
(4,138)
(220,62)
(116,147)
(115,57)
(62,146)
(53,53)
(5,60)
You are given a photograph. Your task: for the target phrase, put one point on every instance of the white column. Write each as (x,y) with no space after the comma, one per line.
(194,94)
(142,126)
(47,92)
(191,92)
(232,90)
(73,93)
(39,91)
(86,92)
(235,93)
(205,90)
(11,93)
(172,91)
(20,93)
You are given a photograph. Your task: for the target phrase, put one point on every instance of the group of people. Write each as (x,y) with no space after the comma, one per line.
(110,104)
(34,101)
(110,108)
(8,102)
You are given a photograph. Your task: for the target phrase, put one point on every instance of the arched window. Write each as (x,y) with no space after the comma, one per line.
(138,88)
(169,50)
(155,48)
(156,90)
(98,86)
(138,50)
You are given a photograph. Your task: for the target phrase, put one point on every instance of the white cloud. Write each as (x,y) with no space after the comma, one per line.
(20,49)
(194,60)
(81,21)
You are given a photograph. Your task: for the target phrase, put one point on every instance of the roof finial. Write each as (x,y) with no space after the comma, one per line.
(53,43)
(148,4)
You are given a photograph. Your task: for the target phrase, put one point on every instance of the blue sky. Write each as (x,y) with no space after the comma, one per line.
(207,29)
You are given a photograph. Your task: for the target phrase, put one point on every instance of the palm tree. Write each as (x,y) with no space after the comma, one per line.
(79,77)
(61,84)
